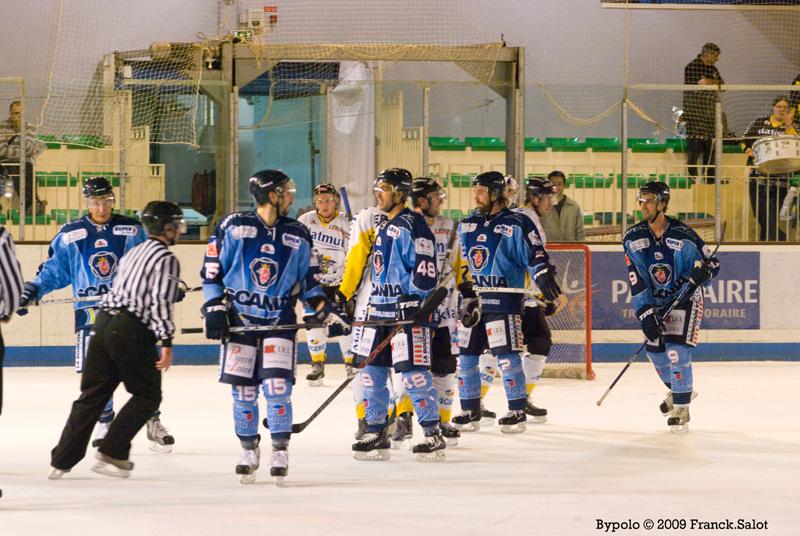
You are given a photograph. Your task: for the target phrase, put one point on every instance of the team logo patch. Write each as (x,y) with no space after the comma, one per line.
(212,250)
(103,264)
(268,248)
(101,243)
(291,240)
(481,238)
(673,243)
(661,273)
(378,241)
(658,255)
(423,246)
(478,257)
(263,272)
(377,262)
(125,230)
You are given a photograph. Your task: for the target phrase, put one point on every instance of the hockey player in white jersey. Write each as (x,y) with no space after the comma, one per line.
(355,290)
(537,337)
(330,231)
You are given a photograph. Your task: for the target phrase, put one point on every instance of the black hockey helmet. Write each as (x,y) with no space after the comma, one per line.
(157,214)
(97,187)
(538,186)
(494,180)
(423,187)
(658,189)
(265,181)
(326,188)
(399,178)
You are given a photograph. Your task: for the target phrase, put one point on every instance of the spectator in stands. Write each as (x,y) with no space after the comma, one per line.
(9,150)
(564,223)
(698,109)
(767,192)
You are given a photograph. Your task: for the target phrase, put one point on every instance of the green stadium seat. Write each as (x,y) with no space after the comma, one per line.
(82,141)
(570,145)
(485,144)
(731,147)
(588,219)
(535,145)
(635,180)
(646,145)
(41,219)
(50,140)
(678,145)
(612,218)
(444,143)
(604,145)
(679,182)
(598,180)
(51,179)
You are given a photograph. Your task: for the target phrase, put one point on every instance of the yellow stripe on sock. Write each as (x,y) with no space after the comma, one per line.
(360,411)
(405,405)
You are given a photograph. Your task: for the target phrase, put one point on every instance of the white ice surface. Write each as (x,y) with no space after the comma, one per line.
(741,459)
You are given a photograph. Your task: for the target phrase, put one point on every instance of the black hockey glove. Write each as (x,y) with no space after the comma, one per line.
(29,297)
(348,307)
(703,271)
(407,307)
(546,281)
(338,323)
(215,313)
(652,325)
(470,306)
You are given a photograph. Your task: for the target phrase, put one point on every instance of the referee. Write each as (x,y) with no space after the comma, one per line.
(135,315)
(10,291)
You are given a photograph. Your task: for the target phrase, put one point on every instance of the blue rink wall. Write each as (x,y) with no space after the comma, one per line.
(751,311)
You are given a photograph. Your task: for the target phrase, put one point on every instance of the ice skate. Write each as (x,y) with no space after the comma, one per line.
(431,449)
(280,466)
(487,417)
(106,465)
(404,431)
(374,446)
(315,377)
(513,422)
(679,420)
(159,436)
(56,473)
(100,433)
(362,429)
(248,465)
(467,421)
(450,433)
(539,415)
(667,406)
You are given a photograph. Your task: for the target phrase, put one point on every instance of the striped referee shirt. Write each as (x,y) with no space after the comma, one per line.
(10,276)
(146,285)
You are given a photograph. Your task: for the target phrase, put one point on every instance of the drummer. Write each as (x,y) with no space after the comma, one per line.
(768,191)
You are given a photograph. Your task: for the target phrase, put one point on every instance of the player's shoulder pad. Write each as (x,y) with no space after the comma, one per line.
(289,226)
(307,218)
(238,218)
(637,238)
(73,231)
(678,230)
(119,219)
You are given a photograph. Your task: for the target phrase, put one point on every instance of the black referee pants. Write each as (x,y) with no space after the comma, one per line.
(123,351)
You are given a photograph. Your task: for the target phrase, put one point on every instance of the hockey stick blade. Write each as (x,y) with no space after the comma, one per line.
(428,307)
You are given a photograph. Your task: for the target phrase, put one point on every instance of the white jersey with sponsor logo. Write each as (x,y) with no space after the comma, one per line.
(331,241)
(442,230)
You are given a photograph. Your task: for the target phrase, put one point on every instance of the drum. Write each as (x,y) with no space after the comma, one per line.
(780,154)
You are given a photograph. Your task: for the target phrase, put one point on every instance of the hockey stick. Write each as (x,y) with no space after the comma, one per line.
(284,327)
(686,290)
(428,307)
(81,299)
(346,201)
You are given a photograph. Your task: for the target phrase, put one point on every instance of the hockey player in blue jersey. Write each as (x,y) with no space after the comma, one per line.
(403,273)
(663,256)
(257,264)
(500,248)
(85,254)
